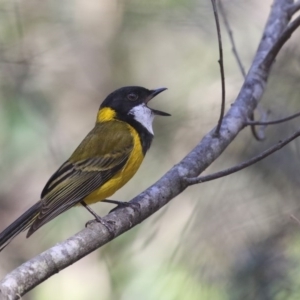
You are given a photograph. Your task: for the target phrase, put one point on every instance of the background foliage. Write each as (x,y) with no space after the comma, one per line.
(236,237)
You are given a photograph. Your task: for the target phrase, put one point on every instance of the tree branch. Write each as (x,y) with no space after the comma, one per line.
(221,64)
(294,8)
(268,62)
(273,122)
(258,135)
(231,38)
(38,269)
(286,34)
(245,164)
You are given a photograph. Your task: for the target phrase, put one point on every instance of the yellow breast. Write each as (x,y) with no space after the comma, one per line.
(123,176)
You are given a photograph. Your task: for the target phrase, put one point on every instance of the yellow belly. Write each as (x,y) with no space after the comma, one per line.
(122,177)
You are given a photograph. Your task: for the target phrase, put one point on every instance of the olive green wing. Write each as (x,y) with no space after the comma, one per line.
(97,159)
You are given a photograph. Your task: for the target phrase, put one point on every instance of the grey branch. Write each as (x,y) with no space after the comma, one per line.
(244,164)
(231,38)
(259,135)
(294,8)
(291,117)
(38,269)
(221,64)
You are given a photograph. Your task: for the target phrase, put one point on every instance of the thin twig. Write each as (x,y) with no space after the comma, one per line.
(258,135)
(273,122)
(231,38)
(245,164)
(263,118)
(220,61)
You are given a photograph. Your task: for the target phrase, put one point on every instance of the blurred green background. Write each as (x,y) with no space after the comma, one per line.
(233,238)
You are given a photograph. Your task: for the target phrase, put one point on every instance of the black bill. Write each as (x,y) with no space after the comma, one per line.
(152,95)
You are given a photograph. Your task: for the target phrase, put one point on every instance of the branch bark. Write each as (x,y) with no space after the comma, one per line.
(50,262)
(244,164)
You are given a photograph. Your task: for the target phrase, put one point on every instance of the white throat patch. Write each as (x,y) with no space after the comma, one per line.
(143,115)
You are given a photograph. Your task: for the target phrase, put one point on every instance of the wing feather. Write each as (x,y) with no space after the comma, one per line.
(81,175)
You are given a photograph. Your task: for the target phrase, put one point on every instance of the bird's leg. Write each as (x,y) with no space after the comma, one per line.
(98,218)
(121,204)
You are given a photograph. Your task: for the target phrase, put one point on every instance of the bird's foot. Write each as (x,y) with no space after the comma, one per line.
(106,224)
(98,219)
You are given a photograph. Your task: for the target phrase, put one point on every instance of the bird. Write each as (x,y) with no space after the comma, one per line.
(104,161)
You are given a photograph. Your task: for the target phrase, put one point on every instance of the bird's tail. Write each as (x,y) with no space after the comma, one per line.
(21,224)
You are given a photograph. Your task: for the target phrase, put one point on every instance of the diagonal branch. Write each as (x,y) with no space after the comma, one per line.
(286,34)
(275,121)
(38,269)
(245,164)
(268,60)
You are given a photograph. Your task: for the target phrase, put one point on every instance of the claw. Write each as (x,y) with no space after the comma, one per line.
(104,223)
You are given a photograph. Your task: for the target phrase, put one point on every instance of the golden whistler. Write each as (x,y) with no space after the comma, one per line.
(104,161)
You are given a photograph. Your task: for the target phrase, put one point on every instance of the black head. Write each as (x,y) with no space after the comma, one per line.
(123,100)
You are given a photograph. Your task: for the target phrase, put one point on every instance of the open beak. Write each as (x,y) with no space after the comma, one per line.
(151,96)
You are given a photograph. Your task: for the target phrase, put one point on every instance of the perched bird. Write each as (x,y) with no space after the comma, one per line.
(104,161)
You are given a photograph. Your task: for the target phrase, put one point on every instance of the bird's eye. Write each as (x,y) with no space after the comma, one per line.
(132,97)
